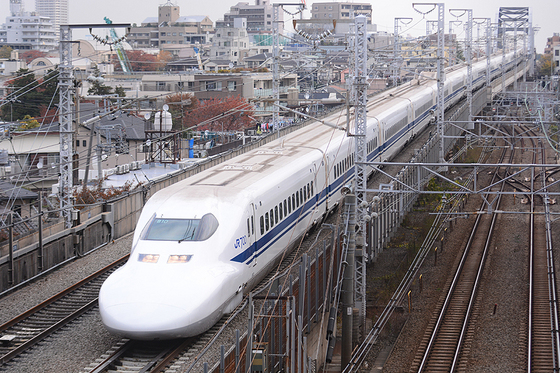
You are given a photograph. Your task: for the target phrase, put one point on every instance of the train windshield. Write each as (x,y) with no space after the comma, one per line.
(161,229)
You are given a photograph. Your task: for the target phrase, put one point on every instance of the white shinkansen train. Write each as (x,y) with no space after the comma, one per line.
(204,242)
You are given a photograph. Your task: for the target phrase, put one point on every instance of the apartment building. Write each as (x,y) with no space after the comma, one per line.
(259,17)
(170,28)
(556,59)
(56,10)
(25,31)
(229,42)
(340,11)
(551,43)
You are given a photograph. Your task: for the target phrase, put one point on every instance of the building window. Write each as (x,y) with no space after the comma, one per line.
(84,143)
(213,86)
(231,86)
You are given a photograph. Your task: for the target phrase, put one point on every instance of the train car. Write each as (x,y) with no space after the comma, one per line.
(201,244)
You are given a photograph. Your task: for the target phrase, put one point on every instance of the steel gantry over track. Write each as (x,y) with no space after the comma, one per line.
(517,20)
(66,86)
(391,201)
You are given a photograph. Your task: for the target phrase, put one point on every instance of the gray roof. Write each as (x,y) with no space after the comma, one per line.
(134,126)
(190,61)
(10,191)
(151,20)
(221,62)
(185,19)
(258,57)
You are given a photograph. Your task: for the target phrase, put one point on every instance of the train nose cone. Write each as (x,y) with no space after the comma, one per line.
(144,320)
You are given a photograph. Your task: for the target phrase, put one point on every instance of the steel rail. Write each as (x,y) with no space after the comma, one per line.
(455,282)
(55,324)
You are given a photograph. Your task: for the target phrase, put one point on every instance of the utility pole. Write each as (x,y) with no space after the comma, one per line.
(275,58)
(360,116)
(440,68)
(468,53)
(397,48)
(275,77)
(348,280)
(66,84)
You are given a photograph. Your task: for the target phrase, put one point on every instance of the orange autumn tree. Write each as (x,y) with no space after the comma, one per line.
(180,104)
(233,113)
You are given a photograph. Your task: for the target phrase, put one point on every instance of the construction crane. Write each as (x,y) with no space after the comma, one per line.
(121,54)
(197,52)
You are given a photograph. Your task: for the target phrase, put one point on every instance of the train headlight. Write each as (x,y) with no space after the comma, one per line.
(148,258)
(178,259)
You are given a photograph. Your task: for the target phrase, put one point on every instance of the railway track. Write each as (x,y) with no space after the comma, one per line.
(149,356)
(135,356)
(26,330)
(543,339)
(440,349)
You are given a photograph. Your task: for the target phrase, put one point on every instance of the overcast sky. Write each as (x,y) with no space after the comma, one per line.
(545,12)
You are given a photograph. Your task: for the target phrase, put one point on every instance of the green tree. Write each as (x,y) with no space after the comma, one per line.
(28,122)
(97,87)
(544,65)
(22,98)
(119,91)
(5,52)
(49,88)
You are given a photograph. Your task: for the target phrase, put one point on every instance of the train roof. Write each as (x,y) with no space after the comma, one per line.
(268,164)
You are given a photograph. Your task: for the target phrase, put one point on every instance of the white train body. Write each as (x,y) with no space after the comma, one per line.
(202,243)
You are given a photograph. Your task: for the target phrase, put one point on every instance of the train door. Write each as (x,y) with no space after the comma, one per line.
(316,189)
(252,240)
(329,177)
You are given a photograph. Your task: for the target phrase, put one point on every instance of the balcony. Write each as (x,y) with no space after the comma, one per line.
(268,92)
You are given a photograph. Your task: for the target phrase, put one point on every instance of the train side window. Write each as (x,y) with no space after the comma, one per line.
(276,215)
(297,199)
(301,195)
(262,224)
(308,191)
(312,189)
(248,228)
(285,208)
(266,221)
(281,211)
(293,202)
(271,218)
(252,225)
(289,204)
